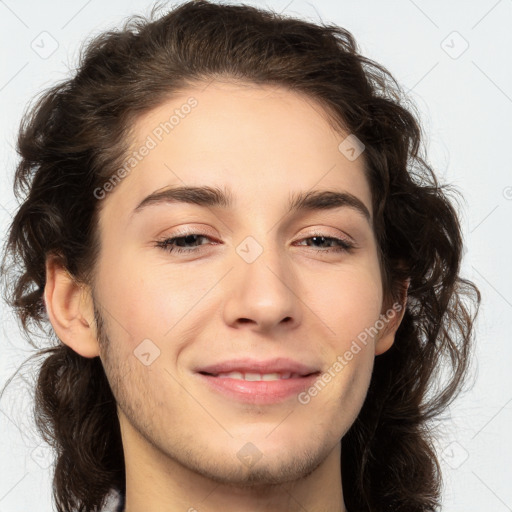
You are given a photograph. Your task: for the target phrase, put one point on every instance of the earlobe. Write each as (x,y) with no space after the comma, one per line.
(69,307)
(392,319)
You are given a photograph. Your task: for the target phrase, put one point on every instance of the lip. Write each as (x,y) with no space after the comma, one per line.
(276,365)
(259,392)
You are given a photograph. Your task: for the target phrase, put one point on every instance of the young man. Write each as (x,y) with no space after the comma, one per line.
(248,287)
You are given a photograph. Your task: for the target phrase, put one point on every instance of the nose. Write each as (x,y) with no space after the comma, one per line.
(262,295)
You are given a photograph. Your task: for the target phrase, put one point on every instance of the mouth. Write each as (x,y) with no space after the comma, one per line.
(258,382)
(255,376)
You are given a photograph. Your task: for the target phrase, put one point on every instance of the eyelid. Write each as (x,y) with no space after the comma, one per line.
(325,232)
(193,230)
(343,245)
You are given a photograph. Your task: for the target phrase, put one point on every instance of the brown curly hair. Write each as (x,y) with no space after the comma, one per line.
(77,134)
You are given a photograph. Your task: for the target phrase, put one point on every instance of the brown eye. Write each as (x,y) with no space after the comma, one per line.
(339,244)
(177,244)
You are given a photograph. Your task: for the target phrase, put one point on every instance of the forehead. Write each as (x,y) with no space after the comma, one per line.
(261,141)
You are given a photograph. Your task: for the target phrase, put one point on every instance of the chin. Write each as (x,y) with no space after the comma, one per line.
(264,473)
(259,463)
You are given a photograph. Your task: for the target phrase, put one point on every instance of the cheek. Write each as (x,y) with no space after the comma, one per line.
(131,300)
(347,301)
(350,306)
(347,304)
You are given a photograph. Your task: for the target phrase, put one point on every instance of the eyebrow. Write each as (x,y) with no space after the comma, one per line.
(216,197)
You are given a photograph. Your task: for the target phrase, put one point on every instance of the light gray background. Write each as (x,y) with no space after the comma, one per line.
(465,100)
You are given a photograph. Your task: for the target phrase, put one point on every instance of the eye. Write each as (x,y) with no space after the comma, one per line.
(177,243)
(340,245)
(182,243)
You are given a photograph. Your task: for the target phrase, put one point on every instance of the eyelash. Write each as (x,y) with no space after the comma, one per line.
(167,243)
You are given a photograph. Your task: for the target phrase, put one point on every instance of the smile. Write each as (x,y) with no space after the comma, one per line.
(251,376)
(255,381)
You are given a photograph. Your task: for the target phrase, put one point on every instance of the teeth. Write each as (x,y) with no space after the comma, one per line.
(232,375)
(251,376)
(270,376)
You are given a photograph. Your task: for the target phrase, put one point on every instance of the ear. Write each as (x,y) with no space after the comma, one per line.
(70,309)
(392,318)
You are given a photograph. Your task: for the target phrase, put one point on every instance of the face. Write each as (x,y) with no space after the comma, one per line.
(221,321)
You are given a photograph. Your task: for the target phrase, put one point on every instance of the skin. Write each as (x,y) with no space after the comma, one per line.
(180,438)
